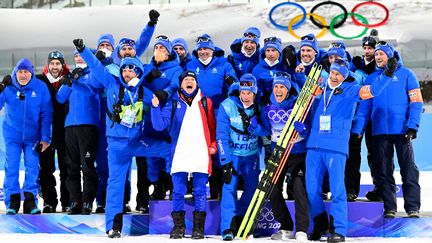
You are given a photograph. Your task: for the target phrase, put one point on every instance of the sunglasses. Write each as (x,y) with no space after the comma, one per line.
(307,37)
(249,35)
(382,43)
(178,48)
(283,74)
(246,83)
(162,37)
(55,55)
(272,39)
(126,41)
(203,39)
(337,45)
(129,66)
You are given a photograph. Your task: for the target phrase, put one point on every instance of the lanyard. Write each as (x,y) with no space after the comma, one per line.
(132,99)
(324,96)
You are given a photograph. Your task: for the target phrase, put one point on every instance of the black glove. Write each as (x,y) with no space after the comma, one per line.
(325,63)
(411,134)
(289,56)
(152,75)
(229,80)
(100,55)
(65,80)
(7,80)
(153,15)
(228,171)
(357,61)
(77,73)
(392,64)
(79,44)
(161,95)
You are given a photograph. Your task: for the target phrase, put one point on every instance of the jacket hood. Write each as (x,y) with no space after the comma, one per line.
(131,61)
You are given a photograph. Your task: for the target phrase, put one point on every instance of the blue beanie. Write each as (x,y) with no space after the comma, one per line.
(341,66)
(180,42)
(126,42)
(164,42)
(309,40)
(338,51)
(105,38)
(25,64)
(248,77)
(273,42)
(386,47)
(133,63)
(204,41)
(252,34)
(282,78)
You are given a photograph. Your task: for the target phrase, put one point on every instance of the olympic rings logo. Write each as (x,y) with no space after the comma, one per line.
(335,23)
(266,214)
(279,116)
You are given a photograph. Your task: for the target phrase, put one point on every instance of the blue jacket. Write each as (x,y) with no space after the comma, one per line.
(230,142)
(318,58)
(264,74)
(241,63)
(113,84)
(30,119)
(341,109)
(398,108)
(275,115)
(84,101)
(211,78)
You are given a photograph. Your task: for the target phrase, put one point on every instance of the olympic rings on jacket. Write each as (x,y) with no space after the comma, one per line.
(296,18)
(283,27)
(339,24)
(363,19)
(356,22)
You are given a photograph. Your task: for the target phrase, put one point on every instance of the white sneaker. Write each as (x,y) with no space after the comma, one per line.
(283,235)
(301,237)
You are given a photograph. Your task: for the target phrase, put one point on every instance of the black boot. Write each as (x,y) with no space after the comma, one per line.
(30,204)
(179,225)
(198,224)
(236,222)
(75,208)
(115,232)
(335,237)
(321,225)
(14,205)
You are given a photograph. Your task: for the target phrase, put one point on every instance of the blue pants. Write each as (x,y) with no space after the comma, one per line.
(318,161)
(102,168)
(383,154)
(13,160)
(120,153)
(179,181)
(248,167)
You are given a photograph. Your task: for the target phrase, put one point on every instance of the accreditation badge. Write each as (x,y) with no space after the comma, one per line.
(325,124)
(128,118)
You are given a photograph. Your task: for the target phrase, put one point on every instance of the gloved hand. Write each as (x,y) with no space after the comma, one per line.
(7,80)
(65,80)
(289,55)
(357,61)
(229,80)
(153,15)
(411,134)
(161,95)
(152,75)
(77,73)
(253,124)
(100,55)
(79,44)
(228,171)
(300,128)
(391,66)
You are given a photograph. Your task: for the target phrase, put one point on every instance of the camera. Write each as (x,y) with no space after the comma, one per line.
(21,96)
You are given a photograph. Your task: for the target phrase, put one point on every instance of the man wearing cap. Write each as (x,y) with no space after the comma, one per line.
(180,46)
(127,100)
(309,54)
(395,117)
(26,129)
(362,66)
(215,76)
(51,75)
(245,51)
(327,146)
(274,116)
(270,63)
(237,131)
(190,117)
(81,136)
